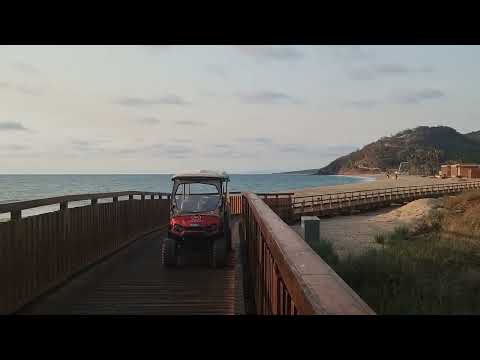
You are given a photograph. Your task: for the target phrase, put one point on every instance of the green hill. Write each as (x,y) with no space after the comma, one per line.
(474,135)
(424,148)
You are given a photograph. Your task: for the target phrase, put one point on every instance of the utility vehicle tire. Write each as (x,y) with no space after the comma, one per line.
(218,253)
(169,258)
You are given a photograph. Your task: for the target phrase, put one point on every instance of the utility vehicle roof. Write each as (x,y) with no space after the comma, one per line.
(203,174)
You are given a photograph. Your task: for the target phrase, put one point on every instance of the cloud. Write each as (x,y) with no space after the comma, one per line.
(375,71)
(84,146)
(269,97)
(258,140)
(406,98)
(352,52)
(190,123)
(419,96)
(271,52)
(291,148)
(160,150)
(15,147)
(149,120)
(157,47)
(337,150)
(216,70)
(129,151)
(362,104)
(171,151)
(12,126)
(222,146)
(228,154)
(315,150)
(81,143)
(25,68)
(28,90)
(24,89)
(182,141)
(169,99)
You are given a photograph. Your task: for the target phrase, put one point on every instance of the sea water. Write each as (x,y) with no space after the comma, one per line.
(28,187)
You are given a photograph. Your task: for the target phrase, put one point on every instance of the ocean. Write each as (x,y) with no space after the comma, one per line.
(29,187)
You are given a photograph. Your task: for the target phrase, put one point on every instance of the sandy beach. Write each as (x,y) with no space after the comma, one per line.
(376,182)
(354,234)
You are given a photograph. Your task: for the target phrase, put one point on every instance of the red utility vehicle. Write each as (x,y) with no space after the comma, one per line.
(199,218)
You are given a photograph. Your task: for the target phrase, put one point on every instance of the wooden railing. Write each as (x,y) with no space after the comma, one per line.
(347,199)
(37,253)
(235,201)
(280,203)
(284,275)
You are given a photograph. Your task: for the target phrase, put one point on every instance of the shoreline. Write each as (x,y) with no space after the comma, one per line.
(374,182)
(364,179)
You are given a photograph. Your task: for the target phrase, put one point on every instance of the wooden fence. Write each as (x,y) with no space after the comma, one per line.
(38,253)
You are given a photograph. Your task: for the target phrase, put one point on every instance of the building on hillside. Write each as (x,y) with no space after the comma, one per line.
(470,171)
(446,171)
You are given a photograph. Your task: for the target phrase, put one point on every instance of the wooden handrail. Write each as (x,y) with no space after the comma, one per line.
(30,204)
(286,276)
(385,189)
(398,190)
(40,252)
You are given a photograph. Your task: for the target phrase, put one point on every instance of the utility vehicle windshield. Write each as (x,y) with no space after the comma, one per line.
(196,198)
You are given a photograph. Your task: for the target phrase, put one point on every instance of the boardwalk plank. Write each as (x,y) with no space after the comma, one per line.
(134,282)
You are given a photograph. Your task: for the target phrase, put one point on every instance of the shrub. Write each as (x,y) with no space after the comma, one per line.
(380,239)
(324,248)
(400,233)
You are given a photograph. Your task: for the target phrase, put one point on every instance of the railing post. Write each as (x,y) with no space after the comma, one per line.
(66,263)
(15,215)
(64,206)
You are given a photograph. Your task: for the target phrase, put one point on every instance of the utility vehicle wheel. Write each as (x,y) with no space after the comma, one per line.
(218,253)
(169,257)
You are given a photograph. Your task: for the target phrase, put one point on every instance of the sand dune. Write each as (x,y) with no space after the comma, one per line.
(354,234)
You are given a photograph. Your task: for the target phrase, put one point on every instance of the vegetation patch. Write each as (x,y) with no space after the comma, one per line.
(434,269)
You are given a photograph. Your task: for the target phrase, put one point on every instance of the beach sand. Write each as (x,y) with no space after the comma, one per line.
(354,234)
(373,182)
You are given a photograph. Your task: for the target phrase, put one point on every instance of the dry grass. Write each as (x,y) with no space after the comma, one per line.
(462,216)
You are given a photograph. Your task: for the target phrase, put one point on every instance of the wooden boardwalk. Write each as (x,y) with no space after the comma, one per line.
(332,204)
(134,282)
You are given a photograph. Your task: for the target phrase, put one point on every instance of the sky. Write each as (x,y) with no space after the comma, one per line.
(238,108)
